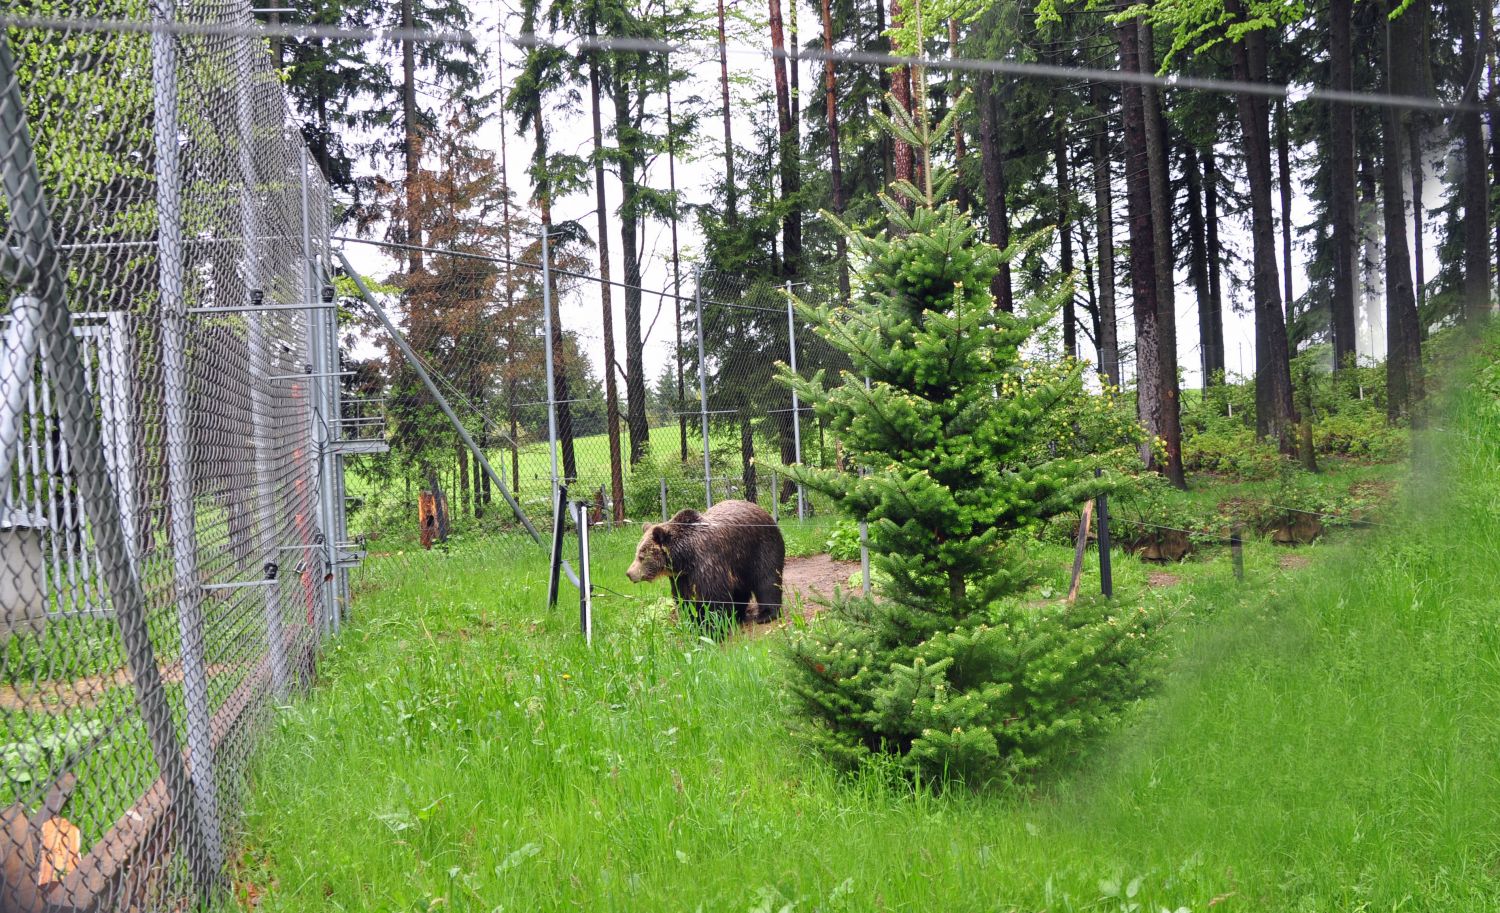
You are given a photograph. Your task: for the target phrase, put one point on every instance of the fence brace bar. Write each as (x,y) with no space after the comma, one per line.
(463,433)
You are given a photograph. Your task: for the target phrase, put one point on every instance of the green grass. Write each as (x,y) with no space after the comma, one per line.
(1325,739)
(387,512)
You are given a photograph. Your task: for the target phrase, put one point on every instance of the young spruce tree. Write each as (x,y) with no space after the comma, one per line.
(943,668)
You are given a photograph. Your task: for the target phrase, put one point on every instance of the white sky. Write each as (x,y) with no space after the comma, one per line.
(700,164)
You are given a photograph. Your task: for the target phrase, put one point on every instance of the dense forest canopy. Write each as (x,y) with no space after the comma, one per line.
(1204,232)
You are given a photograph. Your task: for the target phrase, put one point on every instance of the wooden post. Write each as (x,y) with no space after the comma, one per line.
(427,517)
(1084,523)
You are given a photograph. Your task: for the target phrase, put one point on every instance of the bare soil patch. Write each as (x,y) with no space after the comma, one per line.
(1293,562)
(813,579)
(1162,579)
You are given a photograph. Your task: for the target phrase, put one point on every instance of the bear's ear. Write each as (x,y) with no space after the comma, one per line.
(659,533)
(687,517)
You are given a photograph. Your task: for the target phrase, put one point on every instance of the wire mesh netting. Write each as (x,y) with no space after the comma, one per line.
(478,328)
(169,529)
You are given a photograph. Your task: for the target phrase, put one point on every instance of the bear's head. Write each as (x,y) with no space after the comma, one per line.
(653,557)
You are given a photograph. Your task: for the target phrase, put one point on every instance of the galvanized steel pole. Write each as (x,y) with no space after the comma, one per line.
(258,365)
(551,365)
(791,336)
(175,383)
(708,486)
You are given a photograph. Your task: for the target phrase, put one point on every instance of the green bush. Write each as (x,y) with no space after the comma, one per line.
(643,487)
(843,542)
(945,674)
(1362,433)
(1231,450)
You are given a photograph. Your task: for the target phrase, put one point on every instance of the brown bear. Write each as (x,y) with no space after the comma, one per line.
(716,560)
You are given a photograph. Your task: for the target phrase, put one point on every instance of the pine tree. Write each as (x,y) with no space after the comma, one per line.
(944,434)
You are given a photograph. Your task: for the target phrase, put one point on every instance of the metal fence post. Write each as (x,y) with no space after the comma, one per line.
(708,486)
(663,499)
(339,496)
(585,586)
(259,367)
(1106,573)
(864,538)
(791,336)
(551,365)
(864,556)
(1237,551)
(322,420)
(179,457)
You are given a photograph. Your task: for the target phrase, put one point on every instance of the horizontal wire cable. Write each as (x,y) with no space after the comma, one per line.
(1023,68)
(509,261)
(1320,94)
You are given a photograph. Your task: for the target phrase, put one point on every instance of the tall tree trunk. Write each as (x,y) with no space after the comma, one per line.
(512,340)
(1108,335)
(905,156)
(484,479)
(787,151)
(1217,356)
(1169,418)
(1143,285)
(1370,274)
(836,168)
(1414,165)
(1275,415)
(563,408)
(1475,188)
(1198,263)
(1403,363)
(1343,209)
(747,456)
(883,77)
(462,453)
(960,149)
(992,158)
(630,219)
(601,213)
(413,140)
(794,73)
(682,439)
(1284,171)
(731,203)
(1065,232)
(1494,101)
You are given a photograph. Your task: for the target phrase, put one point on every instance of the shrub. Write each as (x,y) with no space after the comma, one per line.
(942,671)
(1233,451)
(843,542)
(1362,433)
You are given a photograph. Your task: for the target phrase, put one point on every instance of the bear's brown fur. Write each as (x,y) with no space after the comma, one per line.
(717,559)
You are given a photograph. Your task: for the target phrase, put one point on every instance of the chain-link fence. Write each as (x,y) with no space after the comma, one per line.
(478,325)
(169,445)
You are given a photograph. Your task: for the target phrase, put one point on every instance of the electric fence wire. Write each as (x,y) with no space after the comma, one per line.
(1053,72)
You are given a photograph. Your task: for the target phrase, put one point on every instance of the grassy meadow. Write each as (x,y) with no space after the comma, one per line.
(1326,737)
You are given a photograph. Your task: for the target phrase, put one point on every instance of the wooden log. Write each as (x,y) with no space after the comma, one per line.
(1083,541)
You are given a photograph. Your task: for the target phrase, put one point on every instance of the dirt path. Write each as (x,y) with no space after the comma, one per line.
(813,579)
